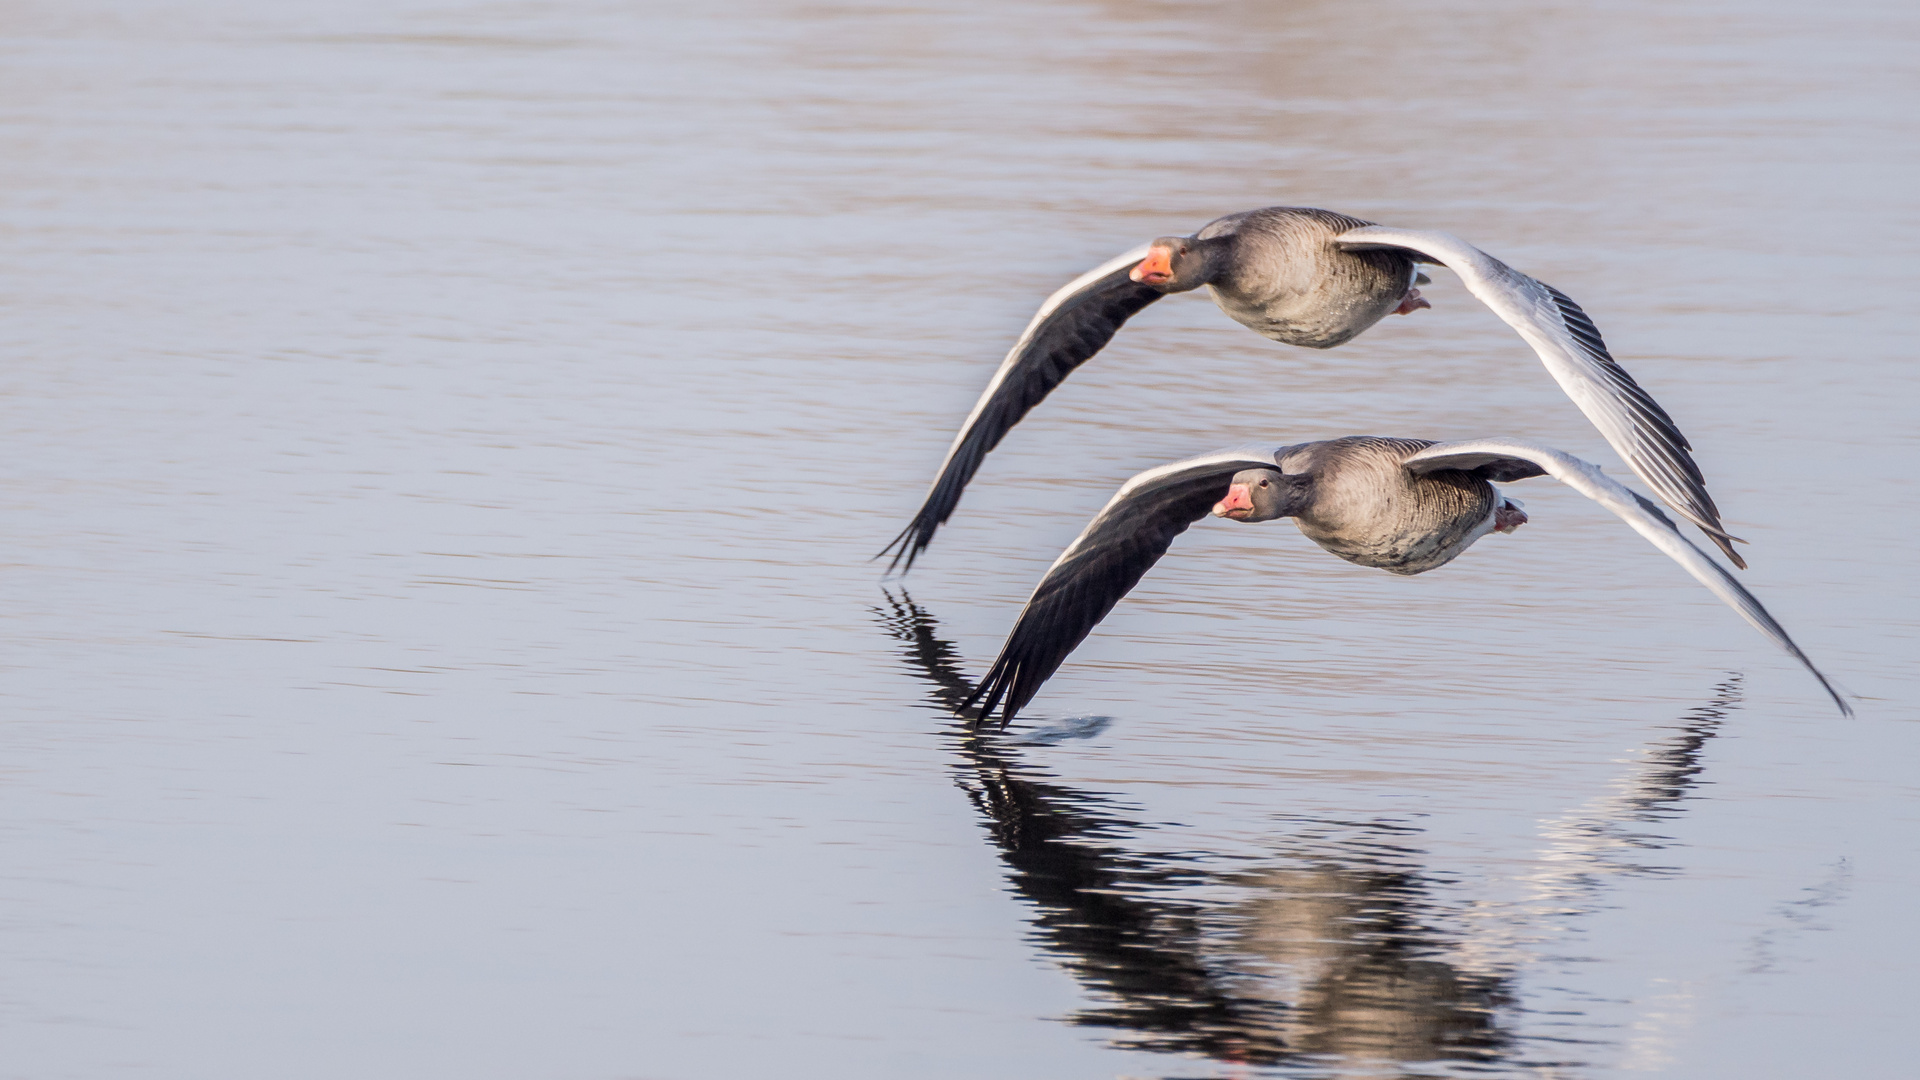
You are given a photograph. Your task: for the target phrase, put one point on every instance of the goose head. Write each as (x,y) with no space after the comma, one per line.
(1181,263)
(1262,495)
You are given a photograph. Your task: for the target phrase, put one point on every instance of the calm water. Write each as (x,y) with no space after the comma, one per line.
(445,443)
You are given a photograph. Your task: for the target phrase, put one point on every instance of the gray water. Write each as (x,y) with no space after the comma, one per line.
(445,443)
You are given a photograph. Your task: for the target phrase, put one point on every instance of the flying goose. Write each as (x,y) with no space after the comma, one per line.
(1406,506)
(1315,278)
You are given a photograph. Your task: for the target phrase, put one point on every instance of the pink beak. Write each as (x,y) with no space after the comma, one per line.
(1238,499)
(1155,269)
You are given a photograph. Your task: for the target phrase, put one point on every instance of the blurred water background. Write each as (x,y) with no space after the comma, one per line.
(445,442)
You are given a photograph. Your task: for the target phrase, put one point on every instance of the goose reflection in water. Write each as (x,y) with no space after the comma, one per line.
(1334,948)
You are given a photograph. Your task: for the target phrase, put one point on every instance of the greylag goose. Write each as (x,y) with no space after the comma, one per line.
(1406,506)
(1318,279)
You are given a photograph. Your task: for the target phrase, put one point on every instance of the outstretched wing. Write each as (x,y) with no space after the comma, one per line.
(1634,509)
(1570,346)
(1070,327)
(1105,562)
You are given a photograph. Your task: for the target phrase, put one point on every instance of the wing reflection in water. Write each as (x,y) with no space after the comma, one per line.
(1331,947)
(1324,953)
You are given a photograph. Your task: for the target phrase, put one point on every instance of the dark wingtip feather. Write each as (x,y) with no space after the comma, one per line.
(1750,604)
(1698,504)
(938,507)
(1727,550)
(992,688)
(907,545)
(1063,341)
(1846,710)
(1012,682)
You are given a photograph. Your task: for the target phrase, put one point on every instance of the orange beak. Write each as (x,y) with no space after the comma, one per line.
(1239,500)
(1155,269)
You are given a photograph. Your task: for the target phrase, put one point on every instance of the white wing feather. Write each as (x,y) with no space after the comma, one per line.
(1646,519)
(1570,347)
(1243,457)
(1052,304)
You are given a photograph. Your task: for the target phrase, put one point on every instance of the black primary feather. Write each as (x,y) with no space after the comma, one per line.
(1080,327)
(1662,449)
(1103,565)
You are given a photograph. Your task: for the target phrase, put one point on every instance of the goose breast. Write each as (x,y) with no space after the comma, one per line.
(1368,509)
(1290,281)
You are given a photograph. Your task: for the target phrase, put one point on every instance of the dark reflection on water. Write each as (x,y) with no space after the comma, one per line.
(1331,948)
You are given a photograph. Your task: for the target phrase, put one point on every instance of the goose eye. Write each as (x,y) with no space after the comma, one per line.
(1263,483)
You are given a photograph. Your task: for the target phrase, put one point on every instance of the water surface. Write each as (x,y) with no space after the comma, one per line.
(446,442)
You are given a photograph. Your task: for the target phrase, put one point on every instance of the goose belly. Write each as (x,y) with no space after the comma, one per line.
(1313,320)
(1292,285)
(1408,551)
